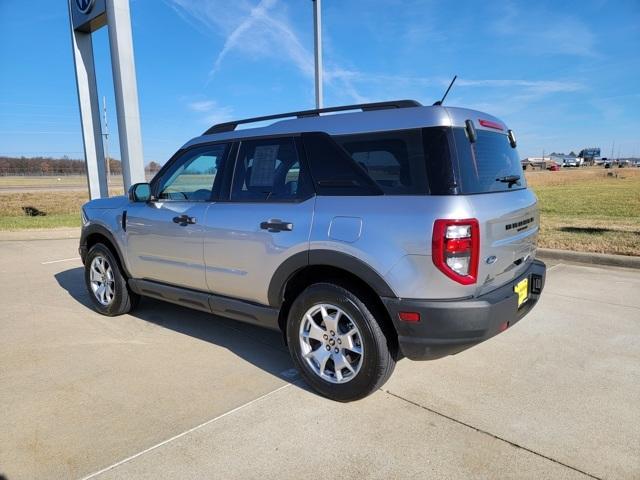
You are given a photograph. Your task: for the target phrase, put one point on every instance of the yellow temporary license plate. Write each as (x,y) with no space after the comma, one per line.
(522,289)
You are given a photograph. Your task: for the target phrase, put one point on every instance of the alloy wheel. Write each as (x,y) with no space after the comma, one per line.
(101,279)
(331,343)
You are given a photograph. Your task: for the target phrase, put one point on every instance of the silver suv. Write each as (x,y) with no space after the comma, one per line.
(388,230)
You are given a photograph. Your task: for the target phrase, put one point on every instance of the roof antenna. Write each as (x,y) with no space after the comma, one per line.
(439,102)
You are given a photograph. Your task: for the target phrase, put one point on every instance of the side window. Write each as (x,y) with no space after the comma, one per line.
(268,170)
(394,160)
(333,171)
(193,176)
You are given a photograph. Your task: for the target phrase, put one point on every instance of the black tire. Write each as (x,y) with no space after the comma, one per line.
(124,300)
(377,359)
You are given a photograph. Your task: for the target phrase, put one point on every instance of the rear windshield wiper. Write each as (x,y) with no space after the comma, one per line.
(510,179)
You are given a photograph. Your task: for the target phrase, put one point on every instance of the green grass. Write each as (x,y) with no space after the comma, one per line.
(62,209)
(581,209)
(587,210)
(611,198)
(48,221)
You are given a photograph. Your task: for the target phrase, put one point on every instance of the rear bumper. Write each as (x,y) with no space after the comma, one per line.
(450,326)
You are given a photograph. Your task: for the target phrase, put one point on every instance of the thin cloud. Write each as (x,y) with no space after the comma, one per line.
(537,32)
(220,115)
(260,30)
(202,106)
(215,113)
(538,88)
(524,89)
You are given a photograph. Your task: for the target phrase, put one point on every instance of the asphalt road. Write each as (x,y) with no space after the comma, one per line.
(171,393)
(42,188)
(37,184)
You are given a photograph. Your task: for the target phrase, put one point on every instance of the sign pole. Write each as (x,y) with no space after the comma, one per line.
(317,37)
(89,113)
(126,91)
(87,16)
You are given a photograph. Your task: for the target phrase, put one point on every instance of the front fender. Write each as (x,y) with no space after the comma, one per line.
(87,236)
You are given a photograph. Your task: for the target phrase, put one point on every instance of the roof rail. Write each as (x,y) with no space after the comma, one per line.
(231,126)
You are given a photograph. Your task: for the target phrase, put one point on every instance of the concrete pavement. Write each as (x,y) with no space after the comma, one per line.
(172,393)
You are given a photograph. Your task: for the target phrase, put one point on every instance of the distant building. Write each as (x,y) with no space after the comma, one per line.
(590,156)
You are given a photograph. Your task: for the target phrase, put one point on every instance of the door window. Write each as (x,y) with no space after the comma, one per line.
(193,176)
(269,170)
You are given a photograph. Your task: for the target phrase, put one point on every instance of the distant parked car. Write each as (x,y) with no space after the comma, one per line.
(554,167)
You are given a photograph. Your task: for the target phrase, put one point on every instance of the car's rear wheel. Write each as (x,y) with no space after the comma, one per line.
(337,343)
(106,284)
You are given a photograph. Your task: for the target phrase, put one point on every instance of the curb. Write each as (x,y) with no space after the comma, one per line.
(626,261)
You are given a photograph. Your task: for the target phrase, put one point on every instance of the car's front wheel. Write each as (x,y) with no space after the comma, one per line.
(337,343)
(106,284)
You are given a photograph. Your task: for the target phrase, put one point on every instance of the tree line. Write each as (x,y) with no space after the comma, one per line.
(57,166)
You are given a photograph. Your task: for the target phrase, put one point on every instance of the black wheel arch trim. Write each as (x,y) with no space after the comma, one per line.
(97,229)
(330,258)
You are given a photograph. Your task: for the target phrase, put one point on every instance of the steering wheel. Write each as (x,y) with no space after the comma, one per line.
(172,195)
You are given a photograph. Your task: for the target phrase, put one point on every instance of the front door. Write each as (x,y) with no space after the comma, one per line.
(265,218)
(165,235)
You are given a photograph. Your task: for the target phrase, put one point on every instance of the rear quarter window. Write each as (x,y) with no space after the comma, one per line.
(482,164)
(393,160)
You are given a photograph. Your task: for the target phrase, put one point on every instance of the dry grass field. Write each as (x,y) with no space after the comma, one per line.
(62,209)
(581,209)
(589,209)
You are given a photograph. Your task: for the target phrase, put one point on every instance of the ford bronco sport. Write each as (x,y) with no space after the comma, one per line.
(381,231)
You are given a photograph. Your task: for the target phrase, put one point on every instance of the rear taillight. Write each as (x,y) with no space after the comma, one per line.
(455,249)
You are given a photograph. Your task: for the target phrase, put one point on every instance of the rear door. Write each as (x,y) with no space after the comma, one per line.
(490,175)
(265,219)
(165,235)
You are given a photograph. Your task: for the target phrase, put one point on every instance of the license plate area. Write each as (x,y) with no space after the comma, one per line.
(522,290)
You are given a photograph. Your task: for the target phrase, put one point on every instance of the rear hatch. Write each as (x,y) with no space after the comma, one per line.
(474,171)
(489,173)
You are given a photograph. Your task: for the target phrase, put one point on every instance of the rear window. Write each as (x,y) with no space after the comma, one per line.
(432,160)
(488,165)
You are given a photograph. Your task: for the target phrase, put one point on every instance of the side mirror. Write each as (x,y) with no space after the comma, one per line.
(512,139)
(140,192)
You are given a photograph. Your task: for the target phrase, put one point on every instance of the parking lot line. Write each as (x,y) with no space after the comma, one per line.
(186,432)
(492,435)
(58,261)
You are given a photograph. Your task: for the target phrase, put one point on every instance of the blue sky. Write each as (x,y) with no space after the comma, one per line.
(563,75)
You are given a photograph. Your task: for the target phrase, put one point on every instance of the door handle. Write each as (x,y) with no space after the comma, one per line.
(184,220)
(276,225)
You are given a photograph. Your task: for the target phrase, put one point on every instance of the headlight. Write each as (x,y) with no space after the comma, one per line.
(83,217)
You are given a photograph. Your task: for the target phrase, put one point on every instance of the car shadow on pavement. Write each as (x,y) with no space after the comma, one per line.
(271,355)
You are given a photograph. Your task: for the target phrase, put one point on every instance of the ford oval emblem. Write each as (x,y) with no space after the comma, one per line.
(85,6)
(491,259)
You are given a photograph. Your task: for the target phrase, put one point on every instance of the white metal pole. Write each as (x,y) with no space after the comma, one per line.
(126,91)
(89,112)
(317,36)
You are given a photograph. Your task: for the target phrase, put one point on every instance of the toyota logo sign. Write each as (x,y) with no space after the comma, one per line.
(85,6)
